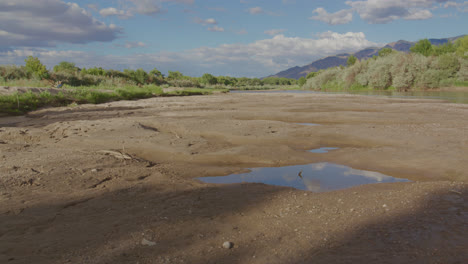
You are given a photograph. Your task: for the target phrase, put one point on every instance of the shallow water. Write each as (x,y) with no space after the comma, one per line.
(451,96)
(322,150)
(316,177)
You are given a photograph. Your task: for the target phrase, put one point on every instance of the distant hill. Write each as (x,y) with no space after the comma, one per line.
(341,59)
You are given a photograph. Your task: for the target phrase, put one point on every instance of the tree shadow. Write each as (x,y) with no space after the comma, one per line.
(189,226)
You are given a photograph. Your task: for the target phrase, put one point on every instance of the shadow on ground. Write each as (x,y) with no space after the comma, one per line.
(189,226)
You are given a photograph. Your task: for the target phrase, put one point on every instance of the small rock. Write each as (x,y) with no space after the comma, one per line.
(228,245)
(384,206)
(94,170)
(146,242)
(351,210)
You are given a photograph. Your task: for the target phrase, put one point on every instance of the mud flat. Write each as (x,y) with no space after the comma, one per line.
(116,183)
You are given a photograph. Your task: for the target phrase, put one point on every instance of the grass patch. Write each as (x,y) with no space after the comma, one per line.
(20,103)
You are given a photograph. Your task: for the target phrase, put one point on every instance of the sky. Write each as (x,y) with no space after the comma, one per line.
(240,38)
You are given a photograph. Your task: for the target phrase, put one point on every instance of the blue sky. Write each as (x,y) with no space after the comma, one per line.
(252,38)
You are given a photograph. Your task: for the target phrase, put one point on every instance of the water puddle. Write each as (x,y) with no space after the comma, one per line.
(308,124)
(316,177)
(322,150)
(451,96)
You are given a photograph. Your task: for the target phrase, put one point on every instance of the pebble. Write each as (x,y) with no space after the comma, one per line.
(228,245)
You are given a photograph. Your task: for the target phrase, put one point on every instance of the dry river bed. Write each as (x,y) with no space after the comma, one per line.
(115,183)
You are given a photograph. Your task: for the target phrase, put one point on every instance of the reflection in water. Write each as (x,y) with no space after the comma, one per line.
(322,150)
(452,96)
(317,177)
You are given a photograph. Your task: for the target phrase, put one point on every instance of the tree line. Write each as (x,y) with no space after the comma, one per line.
(426,66)
(69,73)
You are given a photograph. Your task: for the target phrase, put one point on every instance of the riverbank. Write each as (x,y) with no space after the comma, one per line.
(115,182)
(21,100)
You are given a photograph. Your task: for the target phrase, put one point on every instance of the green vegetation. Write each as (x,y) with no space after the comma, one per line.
(97,85)
(19,103)
(36,68)
(426,67)
(423,47)
(351,60)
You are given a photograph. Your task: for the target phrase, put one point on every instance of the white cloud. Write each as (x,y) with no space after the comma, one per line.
(257,59)
(462,7)
(216,29)
(132,44)
(419,15)
(384,11)
(255,10)
(48,22)
(341,17)
(208,21)
(94,7)
(110,11)
(273,32)
(153,7)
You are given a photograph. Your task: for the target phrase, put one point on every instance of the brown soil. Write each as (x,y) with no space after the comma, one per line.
(115,183)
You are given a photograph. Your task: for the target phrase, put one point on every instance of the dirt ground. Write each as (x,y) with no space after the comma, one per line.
(115,183)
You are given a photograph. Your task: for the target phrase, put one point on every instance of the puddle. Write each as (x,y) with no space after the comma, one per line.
(316,177)
(322,150)
(307,124)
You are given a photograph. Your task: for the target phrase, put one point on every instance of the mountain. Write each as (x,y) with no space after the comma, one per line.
(341,59)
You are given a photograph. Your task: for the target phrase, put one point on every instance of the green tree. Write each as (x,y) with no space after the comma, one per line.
(175,75)
(139,76)
(35,67)
(208,79)
(444,49)
(65,66)
(462,46)
(311,75)
(94,71)
(385,51)
(351,60)
(423,47)
(156,73)
(302,81)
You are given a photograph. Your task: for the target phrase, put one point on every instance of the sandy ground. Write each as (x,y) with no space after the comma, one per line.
(114,183)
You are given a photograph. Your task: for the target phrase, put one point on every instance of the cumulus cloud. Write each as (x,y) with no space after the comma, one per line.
(273,32)
(384,11)
(256,59)
(48,22)
(341,17)
(110,11)
(216,29)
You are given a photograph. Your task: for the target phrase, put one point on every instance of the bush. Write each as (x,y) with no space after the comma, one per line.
(12,72)
(184,83)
